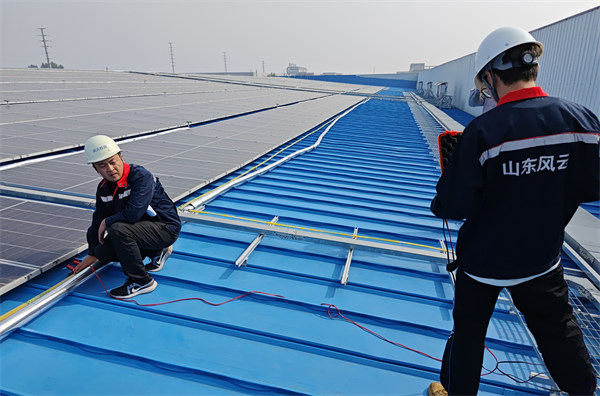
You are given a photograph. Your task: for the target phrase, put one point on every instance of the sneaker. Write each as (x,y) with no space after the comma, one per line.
(436,389)
(132,288)
(159,260)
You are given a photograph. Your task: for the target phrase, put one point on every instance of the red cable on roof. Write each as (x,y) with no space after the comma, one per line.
(181,299)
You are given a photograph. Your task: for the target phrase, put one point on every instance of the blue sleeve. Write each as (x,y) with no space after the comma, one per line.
(142,190)
(459,187)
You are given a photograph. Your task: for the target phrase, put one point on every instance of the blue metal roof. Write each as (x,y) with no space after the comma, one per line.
(593,208)
(373,171)
(365,80)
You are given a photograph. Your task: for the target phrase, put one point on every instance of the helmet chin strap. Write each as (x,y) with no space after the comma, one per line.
(492,87)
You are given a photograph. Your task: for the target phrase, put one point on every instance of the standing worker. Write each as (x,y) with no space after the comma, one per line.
(517,177)
(134,219)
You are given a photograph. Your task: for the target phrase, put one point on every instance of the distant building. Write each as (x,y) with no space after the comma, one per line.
(295,70)
(248,73)
(416,67)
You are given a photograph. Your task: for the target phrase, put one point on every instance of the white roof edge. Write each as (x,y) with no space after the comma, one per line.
(583,235)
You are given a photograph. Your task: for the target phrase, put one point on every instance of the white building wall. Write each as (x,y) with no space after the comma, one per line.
(569,67)
(459,76)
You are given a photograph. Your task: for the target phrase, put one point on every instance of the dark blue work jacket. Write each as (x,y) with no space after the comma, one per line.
(517,176)
(137,196)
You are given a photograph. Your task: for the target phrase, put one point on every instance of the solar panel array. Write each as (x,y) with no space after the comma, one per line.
(291,83)
(234,121)
(48,111)
(187,158)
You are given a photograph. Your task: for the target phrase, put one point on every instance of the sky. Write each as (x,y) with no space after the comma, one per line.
(350,37)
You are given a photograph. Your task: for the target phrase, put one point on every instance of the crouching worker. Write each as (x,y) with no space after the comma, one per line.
(134,219)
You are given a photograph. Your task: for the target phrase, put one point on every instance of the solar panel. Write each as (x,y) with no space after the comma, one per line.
(12,275)
(35,236)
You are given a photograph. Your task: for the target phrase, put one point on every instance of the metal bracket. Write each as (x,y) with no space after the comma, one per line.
(443,246)
(298,233)
(349,260)
(58,197)
(243,259)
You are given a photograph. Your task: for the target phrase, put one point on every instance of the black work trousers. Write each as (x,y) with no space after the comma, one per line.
(544,303)
(129,243)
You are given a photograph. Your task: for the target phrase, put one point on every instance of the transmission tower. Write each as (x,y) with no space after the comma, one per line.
(263,62)
(172,59)
(45,45)
(225,60)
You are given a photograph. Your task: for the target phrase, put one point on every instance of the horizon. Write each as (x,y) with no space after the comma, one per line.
(347,37)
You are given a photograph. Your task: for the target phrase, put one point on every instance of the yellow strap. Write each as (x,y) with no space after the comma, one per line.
(321,231)
(31,301)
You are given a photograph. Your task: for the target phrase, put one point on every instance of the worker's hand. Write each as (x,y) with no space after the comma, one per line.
(101,230)
(83,264)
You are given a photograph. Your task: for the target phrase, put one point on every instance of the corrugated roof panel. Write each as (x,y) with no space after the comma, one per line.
(246,201)
(293,336)
(376,164)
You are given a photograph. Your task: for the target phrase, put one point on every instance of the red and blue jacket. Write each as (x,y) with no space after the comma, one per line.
(517,176)
(137,196)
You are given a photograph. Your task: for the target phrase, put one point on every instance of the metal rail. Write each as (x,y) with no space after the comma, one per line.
(448,124)
(397,248)
(346,273)
(47,196)
(27,311)
(243,258)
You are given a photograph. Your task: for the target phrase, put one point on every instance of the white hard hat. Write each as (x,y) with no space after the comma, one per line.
(496,43)
(100,147)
